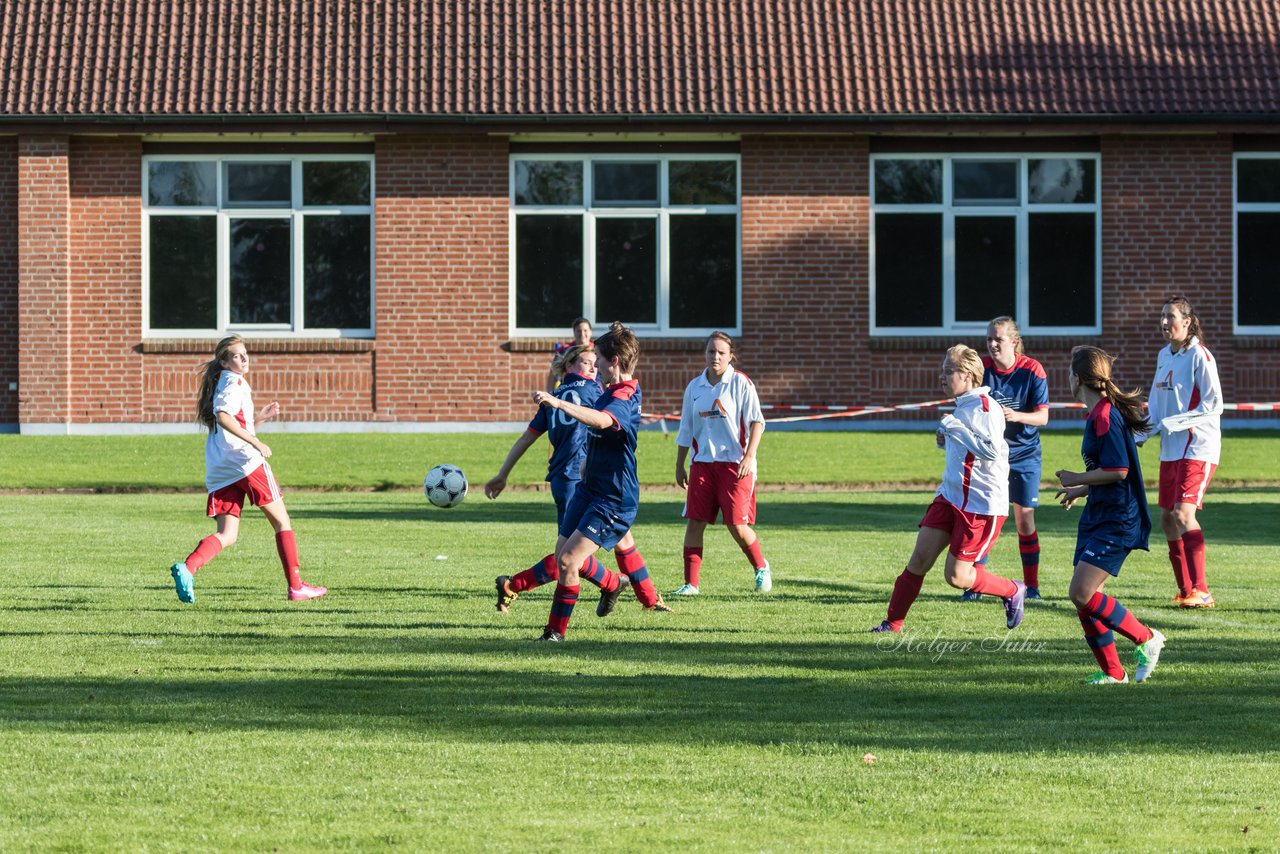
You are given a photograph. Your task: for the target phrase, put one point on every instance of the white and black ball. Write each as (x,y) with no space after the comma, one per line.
(445,486)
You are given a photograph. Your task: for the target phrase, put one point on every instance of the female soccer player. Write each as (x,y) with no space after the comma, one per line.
(722,421)
(576,376)
(1018,384)
(604,505)
(972,502)
(1185,407)
(235,467)
(1114,521)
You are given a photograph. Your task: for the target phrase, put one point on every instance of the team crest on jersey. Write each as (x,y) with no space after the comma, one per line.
(716,411)
(1166,384)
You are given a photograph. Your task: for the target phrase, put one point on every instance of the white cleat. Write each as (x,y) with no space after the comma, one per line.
(764,579)
(1148,656)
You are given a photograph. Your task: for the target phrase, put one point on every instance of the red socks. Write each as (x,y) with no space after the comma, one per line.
(287,548)
(905,591)
(692,564)
(985,582)
(1193,546)
(1178,559)
(754,555)
(1029,550)
(542,572)
(206,551)
(1113,615)
(1103,644)
(631,564)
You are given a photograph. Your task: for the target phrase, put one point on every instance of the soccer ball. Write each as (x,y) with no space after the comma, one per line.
(445,486)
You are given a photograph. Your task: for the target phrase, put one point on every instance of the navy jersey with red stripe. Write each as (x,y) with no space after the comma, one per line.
(1114,510)
(1022,388)
(610,473)
(568,436)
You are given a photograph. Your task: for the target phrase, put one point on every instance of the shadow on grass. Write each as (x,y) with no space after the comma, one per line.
(854,693)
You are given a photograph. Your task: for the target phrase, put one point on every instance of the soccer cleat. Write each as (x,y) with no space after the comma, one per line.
(1014,606)
(1181,601)
(1199,599)
(307,591)
(885,626)
(1101,678)
(609,598)
(685,590)
(660,606)
(551,636)
(1148,656)
(1033,592)
(184,581)
(764,579)
(970,596)
(505,594)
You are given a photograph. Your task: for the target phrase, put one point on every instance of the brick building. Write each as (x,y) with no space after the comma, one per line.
(394,198)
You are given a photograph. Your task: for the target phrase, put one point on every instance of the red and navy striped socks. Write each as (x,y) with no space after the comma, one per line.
(1029,549)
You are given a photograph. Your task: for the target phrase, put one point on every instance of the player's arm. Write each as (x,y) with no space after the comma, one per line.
(498,482)
(1034,418)
(1205,377)
(228,423)
(982,447)
(682,474)
(684,436)
(1096,477)
(582,414)
(266,413)
(748,464)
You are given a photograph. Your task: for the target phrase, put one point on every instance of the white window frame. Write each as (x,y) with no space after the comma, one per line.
(590,214)
(1020,212)
(1238,208)
(295,213)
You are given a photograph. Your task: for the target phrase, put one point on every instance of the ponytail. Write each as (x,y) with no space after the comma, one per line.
(1183,305)
(211,371)
(1092,366)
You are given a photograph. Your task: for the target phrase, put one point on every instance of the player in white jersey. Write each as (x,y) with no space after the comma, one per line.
(972,503)
(236,468)
(1185,408)
(721,421)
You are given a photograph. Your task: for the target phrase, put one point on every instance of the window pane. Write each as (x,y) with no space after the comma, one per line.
(1258,275)
(704,272)
(986,267)
(627,270)
(548,270)
(335,280)
(622,184)
(1057,182)
(184,272)
(173,184)
(702,182)
(1258,181)
(908,182)
(258,184)
(1062,271)
(259,271)
(548,182)
(908,270)
(334,183)
(984,182)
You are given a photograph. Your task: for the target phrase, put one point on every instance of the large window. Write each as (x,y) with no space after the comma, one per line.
(959,239)
(651,241)
(1258,244)
(271,245)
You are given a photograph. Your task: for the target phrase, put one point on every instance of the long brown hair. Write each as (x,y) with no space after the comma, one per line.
(1093,368)
(210,372)
(1183,305)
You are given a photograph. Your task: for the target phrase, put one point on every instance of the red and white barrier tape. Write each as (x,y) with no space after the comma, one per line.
(824,412)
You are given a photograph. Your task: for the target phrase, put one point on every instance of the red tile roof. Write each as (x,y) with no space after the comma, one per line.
(646,58)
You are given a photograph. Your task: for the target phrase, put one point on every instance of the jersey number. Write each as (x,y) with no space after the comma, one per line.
(563,418)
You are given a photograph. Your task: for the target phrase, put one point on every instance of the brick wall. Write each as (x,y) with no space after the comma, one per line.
(8,278)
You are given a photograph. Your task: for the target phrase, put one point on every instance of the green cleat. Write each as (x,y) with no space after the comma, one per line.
(1148,656)
(184,581)
(1101,678)
(684,590)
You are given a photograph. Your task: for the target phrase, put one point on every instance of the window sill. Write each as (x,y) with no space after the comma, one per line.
(1254,342)
(259,345)
(647,345)
(942,342)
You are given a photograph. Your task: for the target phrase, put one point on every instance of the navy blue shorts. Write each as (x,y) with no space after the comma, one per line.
(1024,482)
(562,489)
(601,522)
(1100,550)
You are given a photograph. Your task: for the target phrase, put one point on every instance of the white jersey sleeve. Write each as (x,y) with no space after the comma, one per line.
(1185,404)
(684,438)
(228,458)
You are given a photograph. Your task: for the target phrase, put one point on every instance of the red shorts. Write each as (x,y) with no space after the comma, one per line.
(259,485)
(716,487)
(972,535)
(1184,482)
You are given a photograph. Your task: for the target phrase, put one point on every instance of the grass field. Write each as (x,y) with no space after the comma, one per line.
(403,712)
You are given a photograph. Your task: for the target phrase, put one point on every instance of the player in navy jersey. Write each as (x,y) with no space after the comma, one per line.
(1115,519)
(1018,384)
(576,378)
(581,336)
(604,506)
